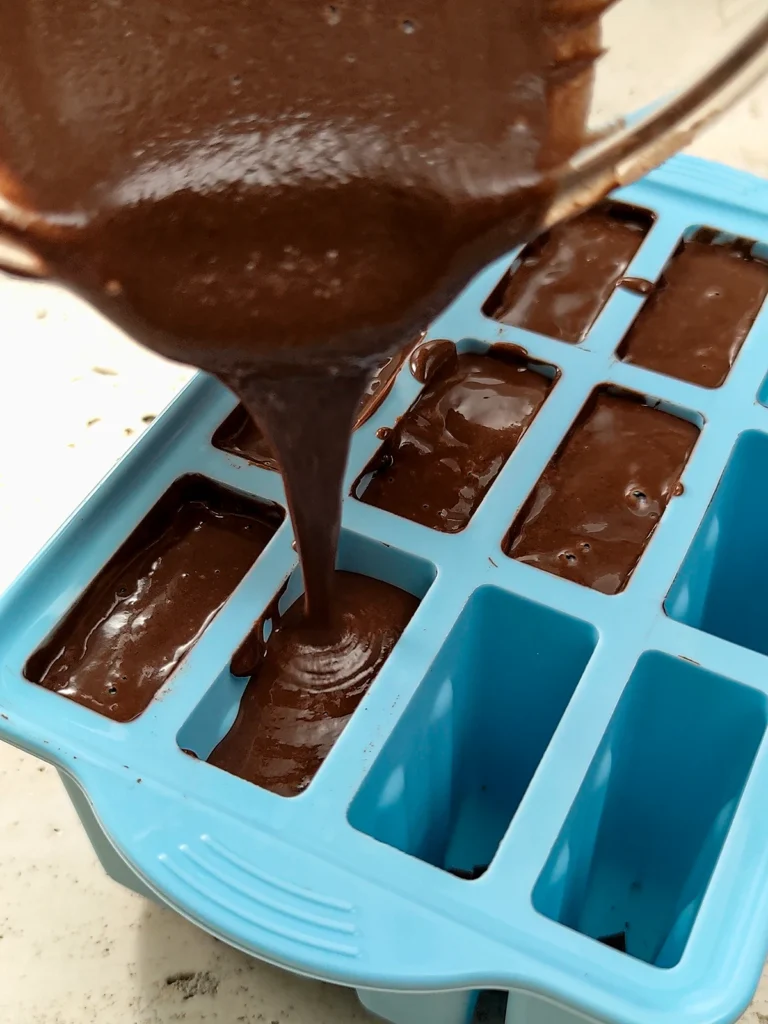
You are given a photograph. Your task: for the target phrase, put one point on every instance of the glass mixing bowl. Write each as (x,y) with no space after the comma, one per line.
(668,69)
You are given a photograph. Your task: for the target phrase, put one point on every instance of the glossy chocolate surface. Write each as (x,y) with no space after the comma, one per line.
(282,194)
(240,435)
(439,460)
(564,279)
(140,616)
(597,503)
(696,319)
(306,684)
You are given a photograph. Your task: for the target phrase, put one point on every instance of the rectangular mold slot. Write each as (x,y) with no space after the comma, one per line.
(270,704)
(722,587)
(640,843)
(451,776)
(381,382)
(695,320)
(441,458)
(592,514)
(560,283)
(240,435)
(137,620)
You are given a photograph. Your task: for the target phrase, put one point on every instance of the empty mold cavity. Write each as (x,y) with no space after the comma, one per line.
(140,616)
(722,587)
(274,722)
(698,316)
(560,283)
(635,857)
(595,507)
(451,776)
(438,462)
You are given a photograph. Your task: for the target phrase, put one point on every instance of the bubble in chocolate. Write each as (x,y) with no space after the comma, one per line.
(610,480)
(332,14)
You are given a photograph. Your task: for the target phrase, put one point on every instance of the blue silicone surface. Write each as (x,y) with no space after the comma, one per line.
(605,754)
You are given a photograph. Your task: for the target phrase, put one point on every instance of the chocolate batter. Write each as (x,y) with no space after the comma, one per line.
(563,279)
(599,500)
(379,386)
(430,358)
(306,685)
(138,619)
(638,285)
(698,317)
(240,435)
(281,193)
(443,455)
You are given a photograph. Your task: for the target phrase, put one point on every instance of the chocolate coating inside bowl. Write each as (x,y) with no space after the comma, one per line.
(300,189)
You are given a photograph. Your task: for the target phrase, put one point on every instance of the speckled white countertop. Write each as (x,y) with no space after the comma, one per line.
(75,948)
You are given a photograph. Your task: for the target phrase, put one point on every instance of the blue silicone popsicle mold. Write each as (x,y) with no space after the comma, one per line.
(606,754)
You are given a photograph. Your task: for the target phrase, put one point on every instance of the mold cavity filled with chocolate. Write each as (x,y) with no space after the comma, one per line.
(140,616)
(696,319)
(306,683)
(441,458)
(381,382)
(563,280)
(286,229)
(600,498)
(240,435)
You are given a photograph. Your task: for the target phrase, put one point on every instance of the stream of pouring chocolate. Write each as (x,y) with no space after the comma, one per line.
(283,193)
